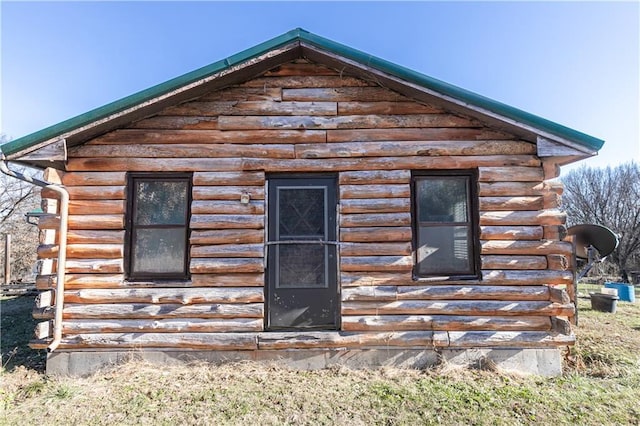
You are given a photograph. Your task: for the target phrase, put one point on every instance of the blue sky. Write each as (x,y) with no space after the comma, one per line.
(575,63)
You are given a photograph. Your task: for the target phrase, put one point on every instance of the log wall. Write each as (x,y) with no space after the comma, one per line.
(302,117)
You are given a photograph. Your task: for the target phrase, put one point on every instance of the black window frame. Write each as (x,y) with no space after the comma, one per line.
(132,179)
(472,223)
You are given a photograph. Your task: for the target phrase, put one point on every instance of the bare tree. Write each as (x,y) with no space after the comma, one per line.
(610,197)
(16,199)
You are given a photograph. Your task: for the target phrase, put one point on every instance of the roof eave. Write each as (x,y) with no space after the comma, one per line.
(487,107)
(141,104)
(300,43)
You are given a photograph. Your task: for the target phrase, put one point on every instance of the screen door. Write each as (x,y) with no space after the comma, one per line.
(302,254)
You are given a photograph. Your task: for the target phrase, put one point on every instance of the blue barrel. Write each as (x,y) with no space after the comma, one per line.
(626,292)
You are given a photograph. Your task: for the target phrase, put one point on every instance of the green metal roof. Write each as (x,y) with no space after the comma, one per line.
(298,34)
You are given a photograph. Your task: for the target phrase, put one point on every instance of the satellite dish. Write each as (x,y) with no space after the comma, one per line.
(597,236)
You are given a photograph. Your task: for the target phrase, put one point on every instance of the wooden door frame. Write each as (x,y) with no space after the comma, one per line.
(269,211)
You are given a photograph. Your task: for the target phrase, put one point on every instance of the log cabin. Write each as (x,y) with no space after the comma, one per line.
(305,203)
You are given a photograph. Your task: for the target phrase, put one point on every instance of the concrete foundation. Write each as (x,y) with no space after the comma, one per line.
(544,362)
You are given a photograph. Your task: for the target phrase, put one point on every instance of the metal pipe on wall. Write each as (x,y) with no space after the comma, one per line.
(62,244)
(7,259)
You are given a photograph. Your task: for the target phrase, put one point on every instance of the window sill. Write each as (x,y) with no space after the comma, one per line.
(439,278)
(157,283)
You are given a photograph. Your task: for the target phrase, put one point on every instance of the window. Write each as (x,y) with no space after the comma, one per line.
(445,231)
(158,213)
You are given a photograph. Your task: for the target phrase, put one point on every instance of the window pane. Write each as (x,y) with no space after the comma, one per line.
(158,250)
(444,249)
(442,199)
(161,202)
(301,266)
(301,211)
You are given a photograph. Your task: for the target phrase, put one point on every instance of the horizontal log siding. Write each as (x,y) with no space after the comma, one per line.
(211,302)
(227,239)
(302,118)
